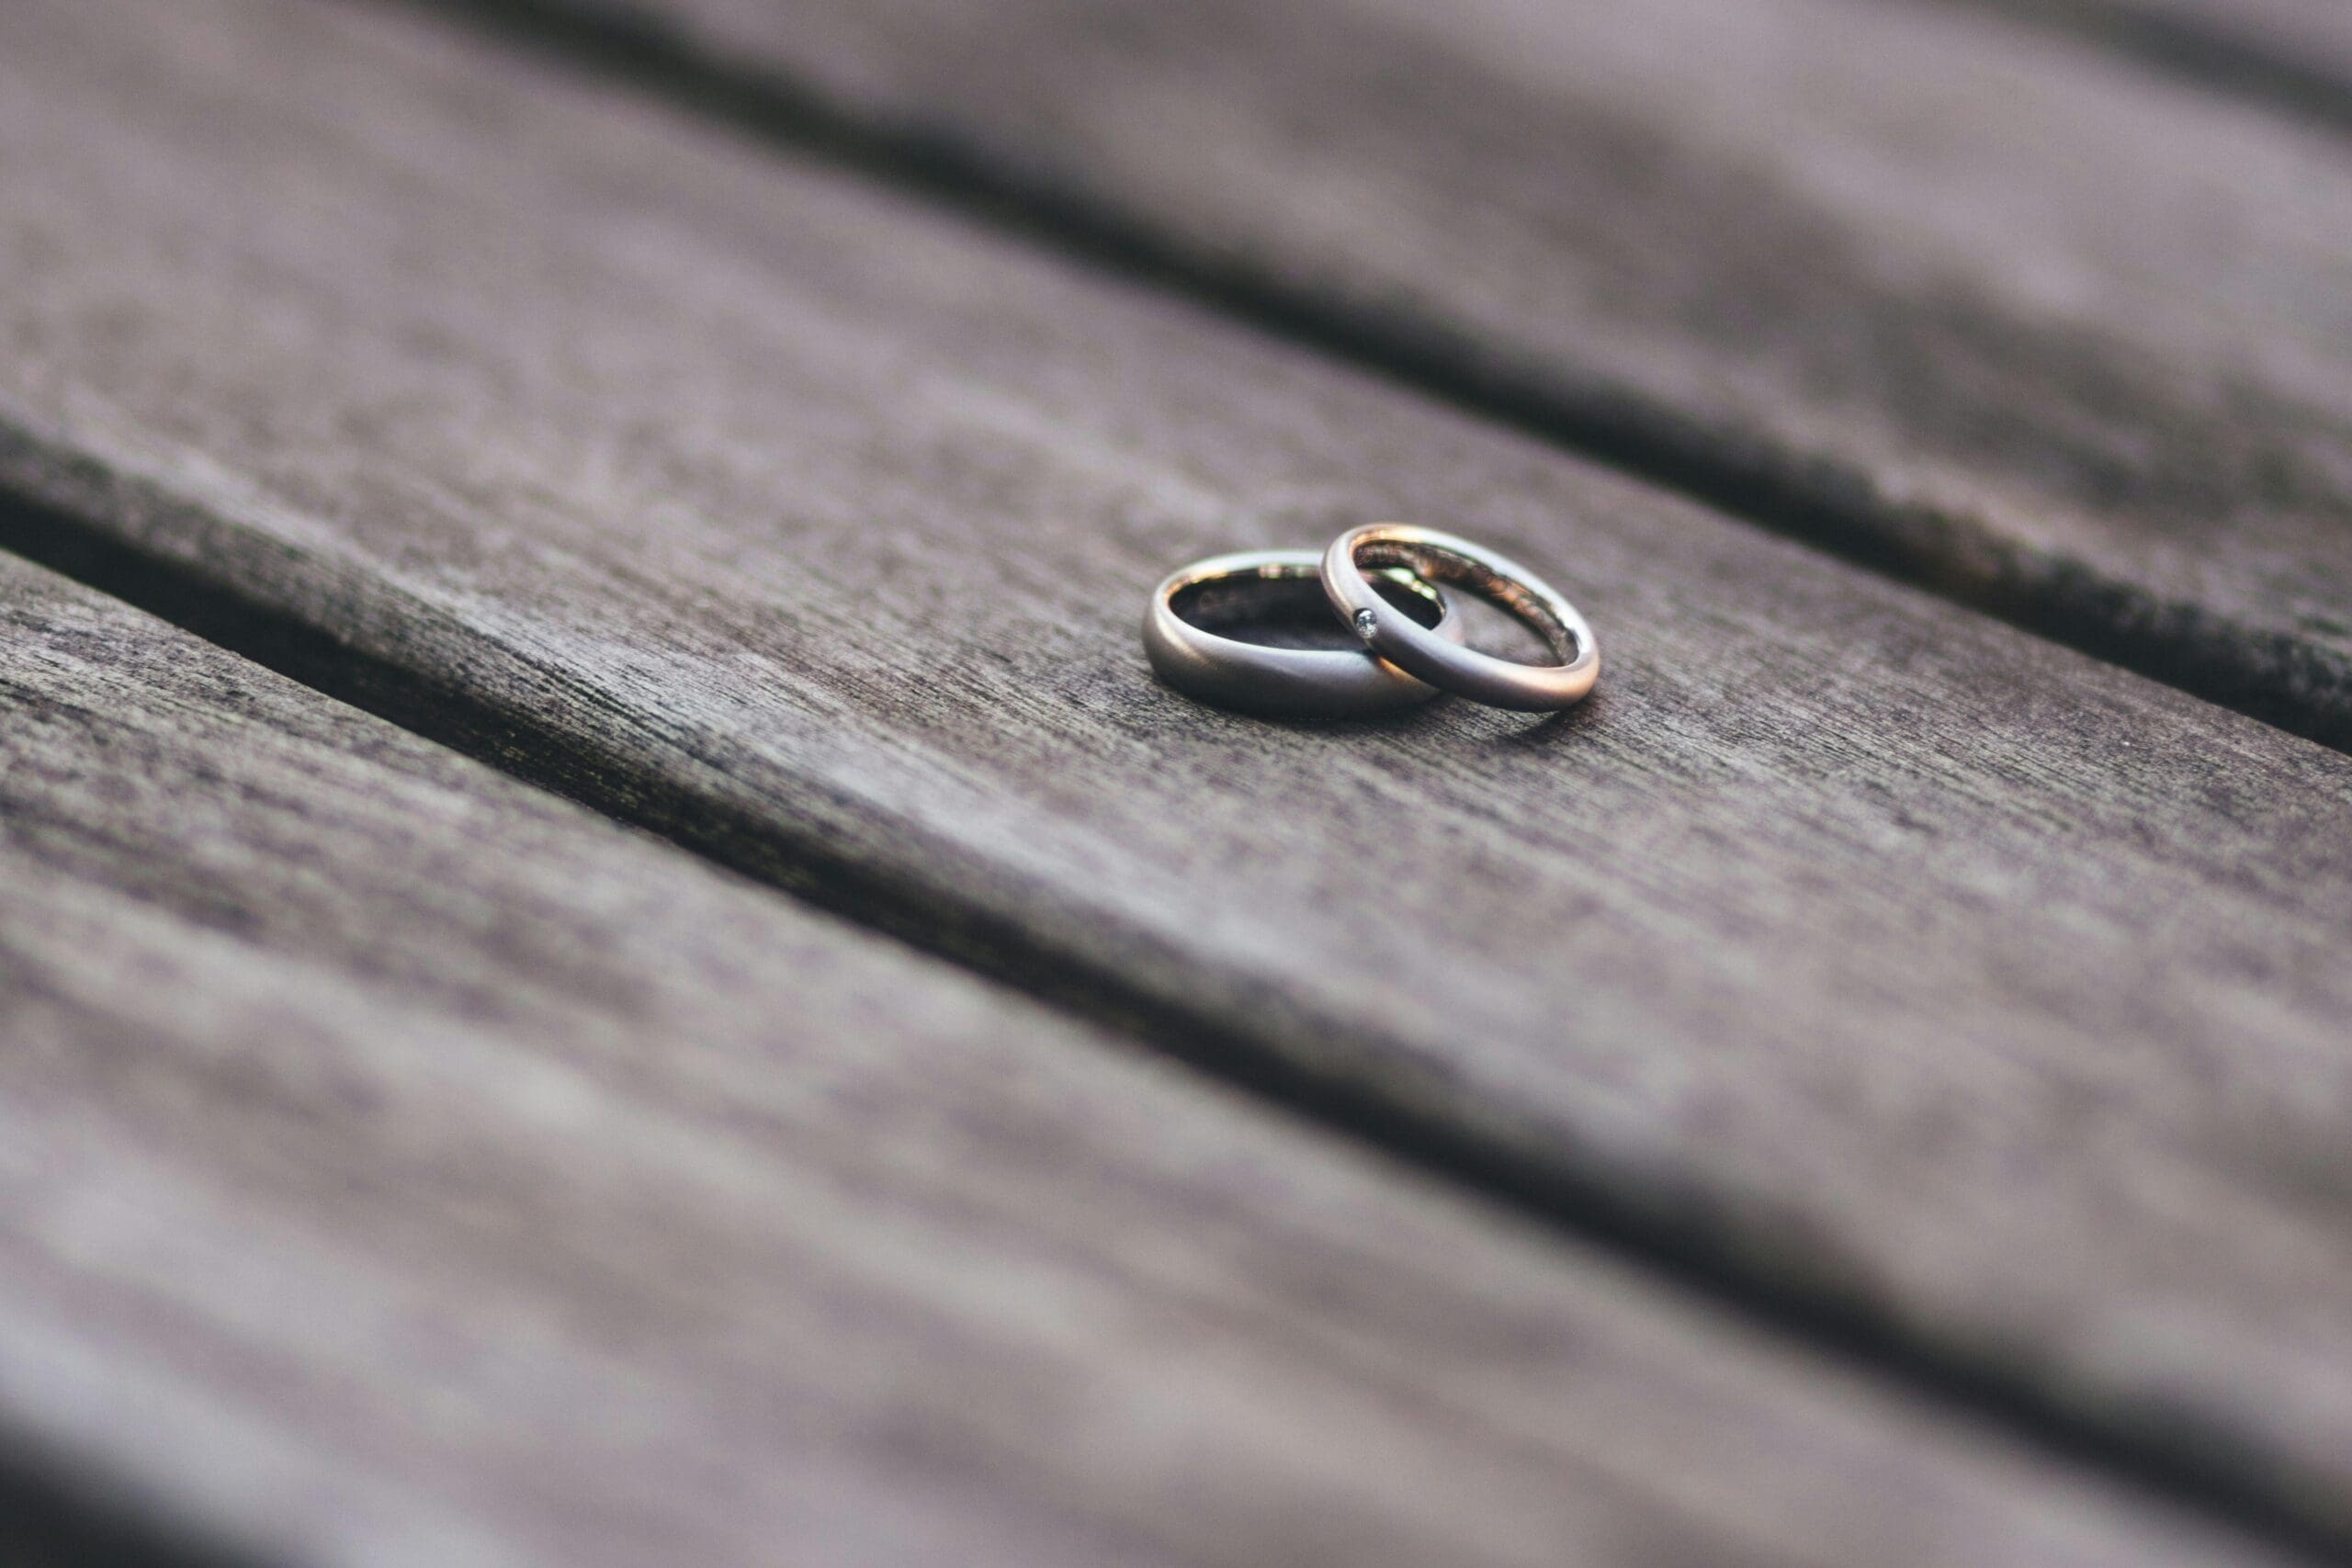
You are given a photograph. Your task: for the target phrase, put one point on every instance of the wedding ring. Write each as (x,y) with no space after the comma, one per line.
(1289,682)
(1443,662)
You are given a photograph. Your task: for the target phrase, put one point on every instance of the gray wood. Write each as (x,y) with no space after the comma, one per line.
(2316,33)
(1968,297)
(1862,950)
(399,1166)
(2296,54)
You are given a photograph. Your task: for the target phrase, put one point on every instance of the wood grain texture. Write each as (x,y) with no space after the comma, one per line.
(2294,54)
(399,1166)
(1973,300)
(1863,950)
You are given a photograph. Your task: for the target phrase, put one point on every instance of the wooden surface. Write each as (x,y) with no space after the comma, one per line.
(2294,55)
(1972,299)
(1858,952)
(399,1166)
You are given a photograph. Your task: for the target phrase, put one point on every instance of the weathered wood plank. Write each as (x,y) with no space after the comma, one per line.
(2293,53)
(1962,297)
(1849,944)
(399,1166)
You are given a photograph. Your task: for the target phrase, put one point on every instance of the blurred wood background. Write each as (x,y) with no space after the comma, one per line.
(610,955)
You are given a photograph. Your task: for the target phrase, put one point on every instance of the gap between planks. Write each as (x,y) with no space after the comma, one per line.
(2294,55)
(56,1512)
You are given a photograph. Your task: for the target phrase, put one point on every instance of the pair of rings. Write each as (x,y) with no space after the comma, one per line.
(1387,582)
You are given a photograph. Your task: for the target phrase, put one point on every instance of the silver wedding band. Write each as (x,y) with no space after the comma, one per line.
(1288,682)
(1413,640)
(1439,557)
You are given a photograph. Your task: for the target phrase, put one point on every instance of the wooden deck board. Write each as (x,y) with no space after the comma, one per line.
(2294,55)
(400,1166)
(1867,952)
(1970,300)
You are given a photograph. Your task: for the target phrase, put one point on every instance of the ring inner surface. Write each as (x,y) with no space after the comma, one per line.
(1290,609)
(1433,563)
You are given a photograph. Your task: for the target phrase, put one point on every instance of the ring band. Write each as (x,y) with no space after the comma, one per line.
(1290,682)
(1439,557)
